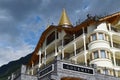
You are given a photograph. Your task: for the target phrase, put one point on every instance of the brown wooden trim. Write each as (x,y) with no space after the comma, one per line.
(110,19)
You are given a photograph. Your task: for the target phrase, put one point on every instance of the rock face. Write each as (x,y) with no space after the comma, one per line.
(12,66)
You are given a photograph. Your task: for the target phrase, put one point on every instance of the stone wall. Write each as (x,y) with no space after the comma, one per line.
(26,77)
(58,72)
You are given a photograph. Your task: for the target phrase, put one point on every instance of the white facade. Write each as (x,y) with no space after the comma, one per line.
(95,45)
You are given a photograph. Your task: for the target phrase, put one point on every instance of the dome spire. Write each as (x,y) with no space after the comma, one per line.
(64,20)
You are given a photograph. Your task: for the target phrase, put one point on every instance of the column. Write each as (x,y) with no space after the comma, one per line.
(56,43)
(84,41)
(114,59)
(39,58)
(56,49)
(32,68)
(74,48)
(74,45)
(109,27)
(45,57)
(45,52)
(62,53)
(62,48)
(111,40)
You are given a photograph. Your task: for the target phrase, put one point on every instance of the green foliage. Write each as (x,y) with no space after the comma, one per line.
(7,70)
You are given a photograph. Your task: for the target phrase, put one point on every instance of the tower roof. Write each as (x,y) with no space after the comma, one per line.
(64,20)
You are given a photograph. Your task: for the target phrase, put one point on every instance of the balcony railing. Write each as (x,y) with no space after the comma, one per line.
(116,45)
(79,50)
(114,29)
(72,53)
(118,62)
(50,54)
(66,41)
(15,75)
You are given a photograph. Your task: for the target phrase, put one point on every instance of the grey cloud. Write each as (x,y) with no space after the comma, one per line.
(15,13)
(20,9)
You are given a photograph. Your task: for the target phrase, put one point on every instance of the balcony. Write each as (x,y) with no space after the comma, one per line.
(116,45)
(117,62)
(50,54)
(59,69)
(79,50)
(69,55)
(65,69)
(67,40)
(114,29)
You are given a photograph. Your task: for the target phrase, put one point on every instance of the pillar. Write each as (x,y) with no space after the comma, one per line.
(62,53)
(109,25)
(45,52)
(114,59)
(111,40)
(74,48)
(56,43)
(45,57)
(62,48)
(39,64)
(32,68)
(74,45)
(84,41)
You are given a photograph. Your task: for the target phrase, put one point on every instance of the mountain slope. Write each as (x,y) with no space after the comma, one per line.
(12,66)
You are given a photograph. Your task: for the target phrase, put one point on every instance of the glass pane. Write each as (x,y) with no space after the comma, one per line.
(105,71)
(103,54)
(96,55)
(100,36)
(94,37)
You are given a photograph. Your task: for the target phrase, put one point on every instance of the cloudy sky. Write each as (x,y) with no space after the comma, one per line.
(23,21)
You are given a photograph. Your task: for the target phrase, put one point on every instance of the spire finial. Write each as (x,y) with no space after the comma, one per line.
(64,20)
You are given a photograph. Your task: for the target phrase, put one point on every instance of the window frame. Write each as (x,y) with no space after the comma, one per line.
(103,54)
(100,54)
(96,54)
(99,36)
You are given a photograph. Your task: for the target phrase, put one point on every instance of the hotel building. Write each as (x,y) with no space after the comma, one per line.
(89,50)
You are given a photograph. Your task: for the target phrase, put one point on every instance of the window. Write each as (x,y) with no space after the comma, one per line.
(103,54)
(100,36)
(94,37)
(100,54)
(96,55)
(105,71)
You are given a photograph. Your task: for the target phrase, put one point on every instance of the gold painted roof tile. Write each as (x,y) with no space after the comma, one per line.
(64,20)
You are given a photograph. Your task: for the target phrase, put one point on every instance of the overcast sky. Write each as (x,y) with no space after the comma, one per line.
(23,21)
